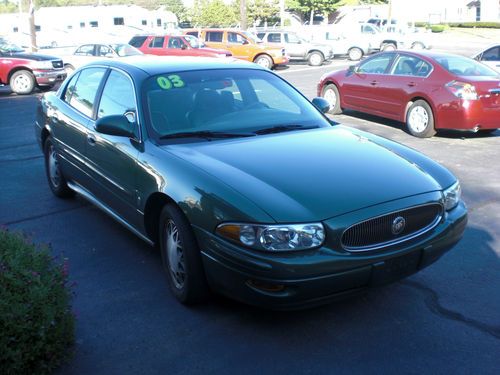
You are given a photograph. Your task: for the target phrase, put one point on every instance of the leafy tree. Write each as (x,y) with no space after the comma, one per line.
(176,7)
(259,10)
(312,7)
(7,7)
(213,13)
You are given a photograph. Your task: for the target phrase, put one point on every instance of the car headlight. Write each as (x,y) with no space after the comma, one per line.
(274,238)
(452,196)
(42,65)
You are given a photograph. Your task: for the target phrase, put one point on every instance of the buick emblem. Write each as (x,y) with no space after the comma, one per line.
(398,225)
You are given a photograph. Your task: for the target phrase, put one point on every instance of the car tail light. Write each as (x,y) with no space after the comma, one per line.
(462,90)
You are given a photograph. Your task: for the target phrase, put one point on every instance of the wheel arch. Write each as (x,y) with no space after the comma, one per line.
(152,210)
(17,69)
(311,51)
(263,54)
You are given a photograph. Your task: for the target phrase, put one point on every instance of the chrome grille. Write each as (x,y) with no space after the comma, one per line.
(378,232)
(57,64)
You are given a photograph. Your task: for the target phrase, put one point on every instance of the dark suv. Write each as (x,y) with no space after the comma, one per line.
(25,71)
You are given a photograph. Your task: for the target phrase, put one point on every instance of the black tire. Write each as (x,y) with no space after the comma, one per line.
(22,82)
(420,119)
(388,47)
(487,131)
(315,58)
(418,46)
(264,61)
(55,177)
(186,277)
(329,92)
(355,53)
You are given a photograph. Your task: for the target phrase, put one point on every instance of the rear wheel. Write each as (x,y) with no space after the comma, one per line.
(355,53)
(388,47)
(22,82)
(264,61)
(331,94)
(420,120)
(181,257)
(57,182)
(315,58)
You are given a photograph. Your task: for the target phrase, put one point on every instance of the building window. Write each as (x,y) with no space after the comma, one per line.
(118,21)
(93,23)
(478,13)
(37,28)
(15,29)
(144,22)
(158,22)
(69,27)
(82,24)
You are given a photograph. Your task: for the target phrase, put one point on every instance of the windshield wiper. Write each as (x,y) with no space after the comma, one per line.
(205,134)
(284,128)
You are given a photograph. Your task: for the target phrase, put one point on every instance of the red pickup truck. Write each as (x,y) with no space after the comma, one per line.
(175,45)
(25,71)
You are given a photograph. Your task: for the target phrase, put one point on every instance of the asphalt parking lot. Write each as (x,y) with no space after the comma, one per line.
(442,320)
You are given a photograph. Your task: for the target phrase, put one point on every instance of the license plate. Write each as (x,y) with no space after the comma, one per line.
(395,268)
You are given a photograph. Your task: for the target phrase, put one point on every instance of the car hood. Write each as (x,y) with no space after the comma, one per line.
(32,56)
(311,175)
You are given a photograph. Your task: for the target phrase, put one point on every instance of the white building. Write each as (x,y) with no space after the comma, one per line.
(112,22)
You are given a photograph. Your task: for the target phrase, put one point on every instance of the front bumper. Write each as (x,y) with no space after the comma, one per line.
(304,279)
(49,77)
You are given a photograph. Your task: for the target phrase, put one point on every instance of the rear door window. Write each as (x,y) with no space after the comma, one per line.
(493,54)
(411,66)
(157,42)
(214,36)
(84,92)
(274,38)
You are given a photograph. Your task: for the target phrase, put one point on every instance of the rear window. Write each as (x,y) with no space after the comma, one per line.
(137,41)
(463,66)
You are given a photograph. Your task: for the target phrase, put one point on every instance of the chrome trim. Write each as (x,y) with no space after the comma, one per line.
(87,195)
(397,241)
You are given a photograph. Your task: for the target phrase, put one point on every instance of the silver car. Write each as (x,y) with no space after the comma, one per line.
(490,56)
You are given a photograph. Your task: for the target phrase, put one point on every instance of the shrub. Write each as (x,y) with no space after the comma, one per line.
(438,28)
(485,25)
(36,322)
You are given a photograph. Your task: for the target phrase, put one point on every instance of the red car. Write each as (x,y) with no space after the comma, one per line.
(428,91)
(25,71)
(175,45)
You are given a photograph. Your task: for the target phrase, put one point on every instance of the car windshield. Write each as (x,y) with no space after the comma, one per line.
(225,102)
(463,66)
(194,42)
(9,47)
(125,50)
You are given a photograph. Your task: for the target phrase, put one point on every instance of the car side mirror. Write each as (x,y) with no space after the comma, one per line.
(115,125)
(322,104)
(353,69)
(244,41)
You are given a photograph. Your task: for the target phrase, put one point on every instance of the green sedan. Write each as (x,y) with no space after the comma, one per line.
(244,185)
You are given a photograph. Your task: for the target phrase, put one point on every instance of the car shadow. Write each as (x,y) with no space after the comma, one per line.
(446,133)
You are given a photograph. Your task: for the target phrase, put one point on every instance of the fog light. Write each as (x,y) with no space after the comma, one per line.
(265,287)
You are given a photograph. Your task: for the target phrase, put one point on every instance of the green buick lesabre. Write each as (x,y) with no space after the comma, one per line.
(243,184)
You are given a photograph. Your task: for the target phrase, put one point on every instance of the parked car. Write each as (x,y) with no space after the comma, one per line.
(428,91)
(490,56)
(398,36)
(244,185)
(24,71)
(243,45)
(353,46)
(175,45)
(297,48)
(87,53)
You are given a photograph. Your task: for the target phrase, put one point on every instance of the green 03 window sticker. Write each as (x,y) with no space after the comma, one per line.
(171,81)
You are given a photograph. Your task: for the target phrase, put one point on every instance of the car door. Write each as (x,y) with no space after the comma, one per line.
(70,122)
(364,89)
(294,46)
(177,47)
(491,57)
(239,45)
(406,80)
(112,159)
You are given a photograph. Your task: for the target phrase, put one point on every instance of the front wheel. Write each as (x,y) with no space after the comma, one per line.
(420,120)
(22,82)
(331,94)
(264,61)
(181,257)
(355,54)
(57,182)
(315,58)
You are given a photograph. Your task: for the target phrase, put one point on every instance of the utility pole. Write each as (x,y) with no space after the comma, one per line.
(31,15)
(243,14)
(389,17)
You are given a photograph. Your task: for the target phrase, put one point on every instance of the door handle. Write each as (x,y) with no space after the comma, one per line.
(373,83)
(411,84)
(91,139)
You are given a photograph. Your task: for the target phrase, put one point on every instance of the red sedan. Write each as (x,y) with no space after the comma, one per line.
(428,91)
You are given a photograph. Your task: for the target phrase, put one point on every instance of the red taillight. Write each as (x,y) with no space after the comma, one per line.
(462,90)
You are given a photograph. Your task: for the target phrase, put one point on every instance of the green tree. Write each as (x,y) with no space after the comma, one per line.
(176,7)
(213,13)
(312,7)
(7,7)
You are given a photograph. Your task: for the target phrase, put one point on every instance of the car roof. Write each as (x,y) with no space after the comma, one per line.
(153,65)
(429,54)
